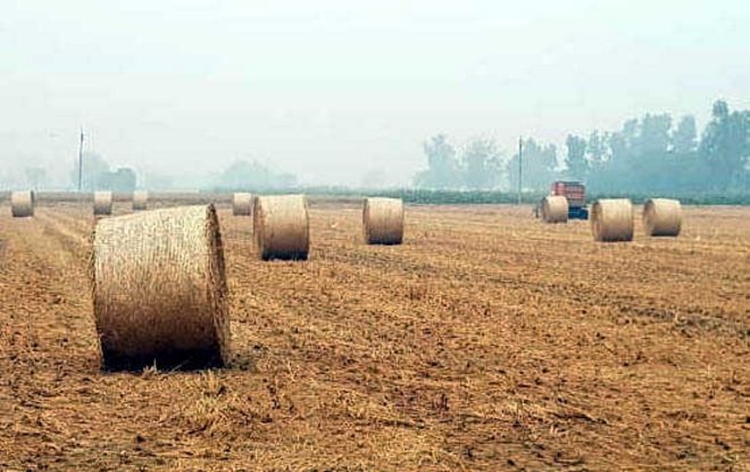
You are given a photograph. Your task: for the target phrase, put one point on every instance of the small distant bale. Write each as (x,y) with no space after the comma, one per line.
(612,220)
(242,204)
(555,209)
(102,203)
(383,220)
(282,227)
(22,204)
(160,291)
(662,217)
(140,200)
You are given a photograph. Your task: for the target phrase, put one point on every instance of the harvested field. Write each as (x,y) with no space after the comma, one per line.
(487,341)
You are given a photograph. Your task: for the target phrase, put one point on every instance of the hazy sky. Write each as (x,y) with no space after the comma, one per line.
(330,89)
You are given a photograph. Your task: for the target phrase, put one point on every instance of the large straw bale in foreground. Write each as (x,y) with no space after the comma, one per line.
(159,289)
(662,217)
(281,226)
(22,203)
(140,200)
(612,220)
(383,220)
(242,204)
(102,203)
(555,209)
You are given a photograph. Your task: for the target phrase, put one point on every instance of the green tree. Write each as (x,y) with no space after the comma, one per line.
(482,164)
(539,163)
(725,146)
(443,169)
(243,174)
(95,170)
(576,162)
(685,137)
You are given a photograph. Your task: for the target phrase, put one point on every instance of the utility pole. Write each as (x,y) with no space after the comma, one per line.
(80,161)
(520,168)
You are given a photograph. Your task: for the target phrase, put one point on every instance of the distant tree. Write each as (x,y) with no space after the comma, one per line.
(538,165)
(576,162)
(725,146)
(122,180)
(443,169)
(685,137)
(95,168)
(243,174)
(597,148)
(482,164)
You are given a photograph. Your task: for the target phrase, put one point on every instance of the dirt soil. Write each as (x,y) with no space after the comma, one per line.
(488,341)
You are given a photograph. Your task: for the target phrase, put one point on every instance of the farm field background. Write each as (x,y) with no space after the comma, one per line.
(487,341)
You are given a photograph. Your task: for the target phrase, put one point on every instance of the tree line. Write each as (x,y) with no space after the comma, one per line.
(650,154)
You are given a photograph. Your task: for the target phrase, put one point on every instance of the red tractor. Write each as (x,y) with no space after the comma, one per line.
(575,192)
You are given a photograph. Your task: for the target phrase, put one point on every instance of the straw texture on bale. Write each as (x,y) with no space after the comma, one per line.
(555,209)
(102,203)
(281,226)
(662,217)
(22,203)
(159,289)
(383,220)
(612,220)
(242,204)
(140,200)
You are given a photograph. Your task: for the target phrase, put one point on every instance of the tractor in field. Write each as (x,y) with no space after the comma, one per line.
(575,193)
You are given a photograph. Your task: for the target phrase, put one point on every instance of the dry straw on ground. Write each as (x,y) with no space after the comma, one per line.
(555,209)
(102,203)
(612,220)
(383,220)
(22,203)
(159,289)
(281,226)
(140,200)
(242,204)
(662,217)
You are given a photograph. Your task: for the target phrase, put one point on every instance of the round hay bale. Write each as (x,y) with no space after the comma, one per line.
(102,203)
(662,217)
(612,220)
(555,209)
(282,227)
(159,289)
(22,203)
(383,220)
(242,204)
(140,200)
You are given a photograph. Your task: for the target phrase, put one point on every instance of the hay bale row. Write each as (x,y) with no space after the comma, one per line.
(102,203)
(159,289)
(383,221)
(22,204)
(612,220)
(242,204)
(282,227)
(554,209)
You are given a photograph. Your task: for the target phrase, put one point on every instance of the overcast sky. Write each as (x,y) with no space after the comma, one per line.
(330,89)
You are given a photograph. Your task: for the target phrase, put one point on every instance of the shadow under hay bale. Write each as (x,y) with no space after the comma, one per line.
(383,221)
(22,204)
(282,227)
(242,204)
(612,220)
(555,209)
(160,291)
(662,217)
